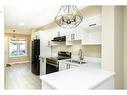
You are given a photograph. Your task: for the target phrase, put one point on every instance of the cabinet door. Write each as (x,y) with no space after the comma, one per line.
(61,32)
(91,22)
(44,49)
(68,35)
(75,34)
(91,29)
(62,66)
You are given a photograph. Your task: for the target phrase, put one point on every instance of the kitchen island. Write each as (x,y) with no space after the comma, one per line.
(86,76)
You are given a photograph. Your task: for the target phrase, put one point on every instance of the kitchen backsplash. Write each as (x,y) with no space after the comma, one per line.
(89,51)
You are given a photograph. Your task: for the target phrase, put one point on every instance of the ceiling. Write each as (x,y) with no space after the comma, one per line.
(29,15)
(25,18)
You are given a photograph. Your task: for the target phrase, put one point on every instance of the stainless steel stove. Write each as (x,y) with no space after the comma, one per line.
(52,63)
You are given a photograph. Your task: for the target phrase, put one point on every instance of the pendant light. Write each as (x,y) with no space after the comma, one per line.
(68,16)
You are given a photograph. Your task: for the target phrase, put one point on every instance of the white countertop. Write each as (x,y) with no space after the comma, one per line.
(86,76)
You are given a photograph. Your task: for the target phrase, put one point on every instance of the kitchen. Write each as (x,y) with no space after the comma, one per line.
(88,47)
(90,56)
(82,41)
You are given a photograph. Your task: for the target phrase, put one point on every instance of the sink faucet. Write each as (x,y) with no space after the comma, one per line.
(81,55)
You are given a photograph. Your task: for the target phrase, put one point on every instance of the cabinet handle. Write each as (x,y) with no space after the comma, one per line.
(92,25)
(68,66)
(72,36)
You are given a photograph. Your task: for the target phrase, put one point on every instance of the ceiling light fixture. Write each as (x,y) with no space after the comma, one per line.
(21,24)
(68,16)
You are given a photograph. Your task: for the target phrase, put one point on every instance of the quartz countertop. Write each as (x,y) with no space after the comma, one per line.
(86,76)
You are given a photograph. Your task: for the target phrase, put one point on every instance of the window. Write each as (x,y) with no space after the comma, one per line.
(18,47)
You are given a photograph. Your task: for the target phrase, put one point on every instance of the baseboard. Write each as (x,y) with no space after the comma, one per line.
(19,62)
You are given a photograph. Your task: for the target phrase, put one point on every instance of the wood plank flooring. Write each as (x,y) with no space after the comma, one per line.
(19,76)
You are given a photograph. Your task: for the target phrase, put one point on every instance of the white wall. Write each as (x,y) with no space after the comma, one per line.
(108,38)
(1,48)
(125,47)
(113,42)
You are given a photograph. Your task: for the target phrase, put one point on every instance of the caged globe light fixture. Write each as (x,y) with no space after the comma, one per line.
(68,16)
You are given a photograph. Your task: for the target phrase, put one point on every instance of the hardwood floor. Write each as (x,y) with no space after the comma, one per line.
(19,76)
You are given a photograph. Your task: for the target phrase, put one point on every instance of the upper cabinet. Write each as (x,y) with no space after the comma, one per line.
(91,22)
(44,38)
(88,33)
(75,34)
(91,30)
(92,36)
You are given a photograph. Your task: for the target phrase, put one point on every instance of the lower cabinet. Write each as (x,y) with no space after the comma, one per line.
(62,66)
(66,65)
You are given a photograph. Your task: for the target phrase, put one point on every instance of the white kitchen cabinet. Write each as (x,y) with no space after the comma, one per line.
(42,65)
(68,38)
(53,33)
(92,36)
(50,35)
(45,50)
(62,66)
(91,22)
(44,38)
(91,31)
(62,32)
(51,43)
(74,34)
(56,33)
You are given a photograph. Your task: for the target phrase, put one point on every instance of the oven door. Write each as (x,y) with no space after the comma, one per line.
(51,67)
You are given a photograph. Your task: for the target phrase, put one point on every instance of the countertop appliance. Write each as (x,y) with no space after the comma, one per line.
(35,66)
(52,63)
